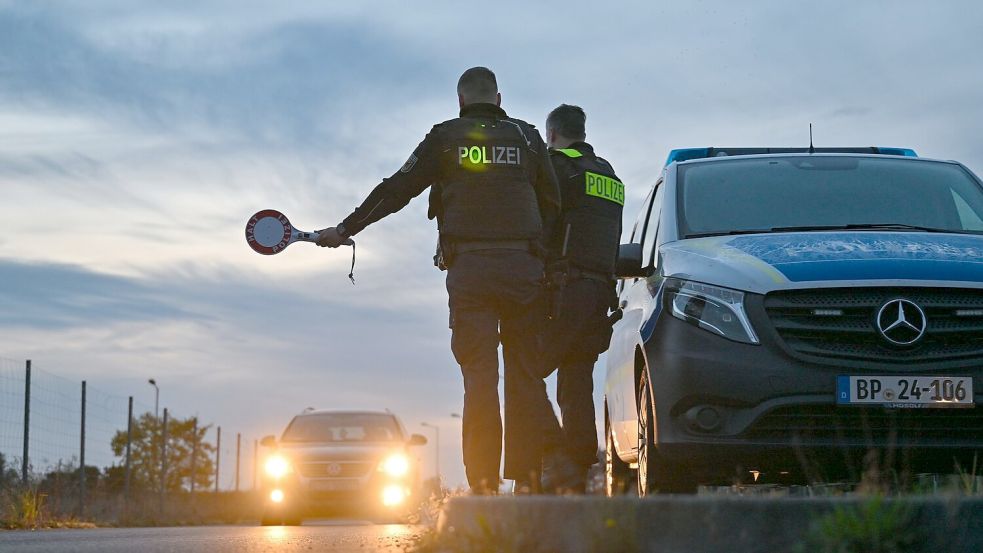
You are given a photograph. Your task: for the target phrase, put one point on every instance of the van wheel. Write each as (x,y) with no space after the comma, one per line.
(655,474)
(617,473)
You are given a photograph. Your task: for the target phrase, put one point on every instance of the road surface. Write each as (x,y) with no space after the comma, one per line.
(331,536)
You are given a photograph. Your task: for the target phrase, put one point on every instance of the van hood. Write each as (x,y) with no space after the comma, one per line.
(762,263)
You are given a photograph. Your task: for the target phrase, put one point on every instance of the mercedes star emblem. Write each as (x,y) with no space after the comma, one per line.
(901,322)
(334,469)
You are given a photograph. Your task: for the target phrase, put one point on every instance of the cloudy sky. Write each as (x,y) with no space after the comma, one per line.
(136,139)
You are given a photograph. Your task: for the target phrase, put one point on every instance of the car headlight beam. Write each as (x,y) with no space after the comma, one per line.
(394,495)
(396,465)
(277,466)
(712,308)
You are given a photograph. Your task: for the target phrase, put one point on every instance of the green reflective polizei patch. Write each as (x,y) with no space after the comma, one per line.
(605,188)
(570,152)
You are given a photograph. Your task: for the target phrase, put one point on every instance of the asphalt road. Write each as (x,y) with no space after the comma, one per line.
(332,536)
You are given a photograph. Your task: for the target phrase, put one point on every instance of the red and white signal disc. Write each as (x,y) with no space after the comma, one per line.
(268,232)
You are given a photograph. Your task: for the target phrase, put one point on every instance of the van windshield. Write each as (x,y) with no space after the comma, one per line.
(821,192)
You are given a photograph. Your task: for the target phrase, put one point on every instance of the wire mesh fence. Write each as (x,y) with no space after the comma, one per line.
(90,451)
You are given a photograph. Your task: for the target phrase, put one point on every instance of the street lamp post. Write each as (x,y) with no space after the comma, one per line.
(436,457)
(153,383)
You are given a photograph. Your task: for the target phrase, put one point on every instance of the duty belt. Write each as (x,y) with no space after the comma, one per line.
(474,246)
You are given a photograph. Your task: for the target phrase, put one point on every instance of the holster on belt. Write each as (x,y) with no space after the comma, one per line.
(557,276)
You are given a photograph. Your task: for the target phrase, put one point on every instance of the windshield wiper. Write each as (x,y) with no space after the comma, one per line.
(821,228)
(861,226)
(726,233)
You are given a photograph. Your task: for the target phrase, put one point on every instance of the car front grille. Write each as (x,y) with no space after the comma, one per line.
(875,425)
(840,323)
(330,469)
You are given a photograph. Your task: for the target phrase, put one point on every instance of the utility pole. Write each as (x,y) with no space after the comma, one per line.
(218,457)
(27,421)
(163,463)
(194,455)
(153,383)
(238,452)
(82,458)
(129,442)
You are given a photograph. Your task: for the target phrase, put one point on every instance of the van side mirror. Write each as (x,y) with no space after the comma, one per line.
(417,439)
(629,263)
(268,441)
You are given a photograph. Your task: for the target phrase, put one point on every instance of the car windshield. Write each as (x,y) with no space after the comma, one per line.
(342,427)
(772,194)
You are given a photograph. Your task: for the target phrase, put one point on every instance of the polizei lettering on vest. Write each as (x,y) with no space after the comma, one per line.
(605,187)
(480,155)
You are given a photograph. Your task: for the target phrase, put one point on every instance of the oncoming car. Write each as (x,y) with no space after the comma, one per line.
(788,311)
(330,462)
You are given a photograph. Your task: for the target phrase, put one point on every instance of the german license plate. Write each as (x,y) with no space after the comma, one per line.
(905,391)
(334,485)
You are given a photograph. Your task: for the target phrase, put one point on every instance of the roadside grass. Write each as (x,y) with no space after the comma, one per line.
(27,510)
(874,526)
(882,522)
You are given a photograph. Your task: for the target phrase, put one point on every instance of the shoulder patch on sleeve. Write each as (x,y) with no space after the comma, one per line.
(569,152)
(408,166)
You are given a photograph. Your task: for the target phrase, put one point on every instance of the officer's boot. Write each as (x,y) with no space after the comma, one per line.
(561,475)
(528,486)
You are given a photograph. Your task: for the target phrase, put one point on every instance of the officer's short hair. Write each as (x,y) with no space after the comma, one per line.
(568,121)
(478,84)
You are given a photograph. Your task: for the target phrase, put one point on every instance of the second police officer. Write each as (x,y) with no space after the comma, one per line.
(586,249)
(495,198)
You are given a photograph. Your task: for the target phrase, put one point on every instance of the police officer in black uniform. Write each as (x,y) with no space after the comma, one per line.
(496,201)
(586,247)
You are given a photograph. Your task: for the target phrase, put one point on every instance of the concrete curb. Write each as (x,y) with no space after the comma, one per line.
(692,524)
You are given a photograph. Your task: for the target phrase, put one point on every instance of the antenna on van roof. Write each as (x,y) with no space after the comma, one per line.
(812,149)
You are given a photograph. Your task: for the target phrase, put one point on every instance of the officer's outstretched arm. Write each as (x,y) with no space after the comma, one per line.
(392,194)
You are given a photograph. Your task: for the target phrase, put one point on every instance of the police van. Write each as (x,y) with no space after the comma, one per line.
(789,311)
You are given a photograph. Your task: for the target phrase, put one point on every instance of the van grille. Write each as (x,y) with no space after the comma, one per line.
(874,424)
(840,323)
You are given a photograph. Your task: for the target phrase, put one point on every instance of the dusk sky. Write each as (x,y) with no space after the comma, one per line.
(136,138)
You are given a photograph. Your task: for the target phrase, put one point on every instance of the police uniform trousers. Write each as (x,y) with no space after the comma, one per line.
(574,341)
(495,296)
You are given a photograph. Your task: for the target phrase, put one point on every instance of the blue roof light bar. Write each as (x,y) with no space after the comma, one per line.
(686,154)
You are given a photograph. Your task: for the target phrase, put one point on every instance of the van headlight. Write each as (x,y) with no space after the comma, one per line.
(712,308)
(396,465)
(277,467)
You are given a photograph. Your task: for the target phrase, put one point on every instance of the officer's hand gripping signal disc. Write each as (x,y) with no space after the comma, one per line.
(269,232)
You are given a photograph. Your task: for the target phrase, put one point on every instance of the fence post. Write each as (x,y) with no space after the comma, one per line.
(163,463)
(82,458)
(194,455)
(238,451)
(255,461)
(129,442)
(27,421)
(218,457)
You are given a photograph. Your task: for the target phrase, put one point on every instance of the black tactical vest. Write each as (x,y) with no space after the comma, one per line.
(593,199)
(486,183)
